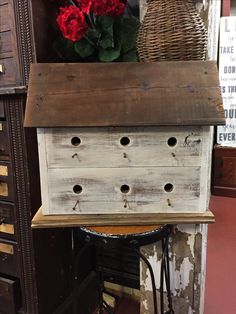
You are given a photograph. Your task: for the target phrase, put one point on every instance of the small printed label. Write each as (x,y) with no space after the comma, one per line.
(3,189)
(4,171)
(7,228)
(6,248)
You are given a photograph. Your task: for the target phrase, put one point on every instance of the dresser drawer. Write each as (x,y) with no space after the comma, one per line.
(4,141)
(6,182)
(9,74)
(9,61)
(5,11)
(123,147)
(10,296)
(7,221)
(9,261)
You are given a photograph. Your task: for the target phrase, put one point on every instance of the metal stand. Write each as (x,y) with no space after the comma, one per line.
(134,242)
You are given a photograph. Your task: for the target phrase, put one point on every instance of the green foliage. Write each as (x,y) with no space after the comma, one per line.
(110,54)
(84,48)
(109,39)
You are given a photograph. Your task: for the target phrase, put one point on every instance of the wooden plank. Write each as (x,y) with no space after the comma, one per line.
(127,190)
(54,221)
(43,167)
(125,147)
(165,93)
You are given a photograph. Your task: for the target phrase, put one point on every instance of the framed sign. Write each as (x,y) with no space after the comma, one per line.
(226,135)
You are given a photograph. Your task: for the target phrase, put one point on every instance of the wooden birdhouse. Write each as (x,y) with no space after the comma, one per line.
(124,138)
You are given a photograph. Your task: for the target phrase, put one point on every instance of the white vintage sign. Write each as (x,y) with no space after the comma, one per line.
(226,135)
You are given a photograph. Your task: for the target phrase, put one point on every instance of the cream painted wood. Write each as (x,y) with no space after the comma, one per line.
(102,190)
(43,169)
(101,147)
(205,175)
(100,164)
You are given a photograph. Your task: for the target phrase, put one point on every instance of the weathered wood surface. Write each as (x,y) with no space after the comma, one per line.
(102,190)
(97,166)
(101,147)
(119,94)
(58,221)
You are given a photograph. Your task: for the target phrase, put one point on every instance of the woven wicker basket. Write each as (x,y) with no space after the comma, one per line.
(171,30)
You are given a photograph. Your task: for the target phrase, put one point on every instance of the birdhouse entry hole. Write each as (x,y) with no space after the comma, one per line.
(125,189)
(75,141)
(77,189)
(125,141)
(168,187)
(172,141)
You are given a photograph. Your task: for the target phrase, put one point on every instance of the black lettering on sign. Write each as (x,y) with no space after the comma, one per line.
(227,137)
(227,49)
(222,89)
(232,89)
(230,113)
(230,69)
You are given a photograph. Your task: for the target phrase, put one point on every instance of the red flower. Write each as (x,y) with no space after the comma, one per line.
(85,5)
(108,7)
(72,23)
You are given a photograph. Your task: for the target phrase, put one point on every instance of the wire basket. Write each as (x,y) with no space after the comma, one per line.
(171,30)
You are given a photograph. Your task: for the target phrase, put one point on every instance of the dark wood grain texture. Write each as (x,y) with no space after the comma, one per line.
(224,171)
(118,94)
(9,54)
(2,113)
(9,295)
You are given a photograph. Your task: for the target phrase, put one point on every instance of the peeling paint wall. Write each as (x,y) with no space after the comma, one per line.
(185,270)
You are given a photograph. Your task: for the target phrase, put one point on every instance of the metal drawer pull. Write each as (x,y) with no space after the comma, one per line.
(1,68)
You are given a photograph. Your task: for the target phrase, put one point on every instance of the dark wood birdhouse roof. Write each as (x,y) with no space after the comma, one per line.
(124,94)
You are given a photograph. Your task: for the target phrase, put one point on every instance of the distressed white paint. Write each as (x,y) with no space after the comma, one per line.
(43,168)
(100,164)
(101,147)
(181,278)
(102,192)
(213,28)
(156,266)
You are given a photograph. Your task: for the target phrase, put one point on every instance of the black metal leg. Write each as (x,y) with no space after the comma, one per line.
(143,257)
(162,286)
(166,270)
(77,258)
(101,280)
(102,303)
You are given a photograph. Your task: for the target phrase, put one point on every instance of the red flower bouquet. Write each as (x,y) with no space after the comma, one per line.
(102,30)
